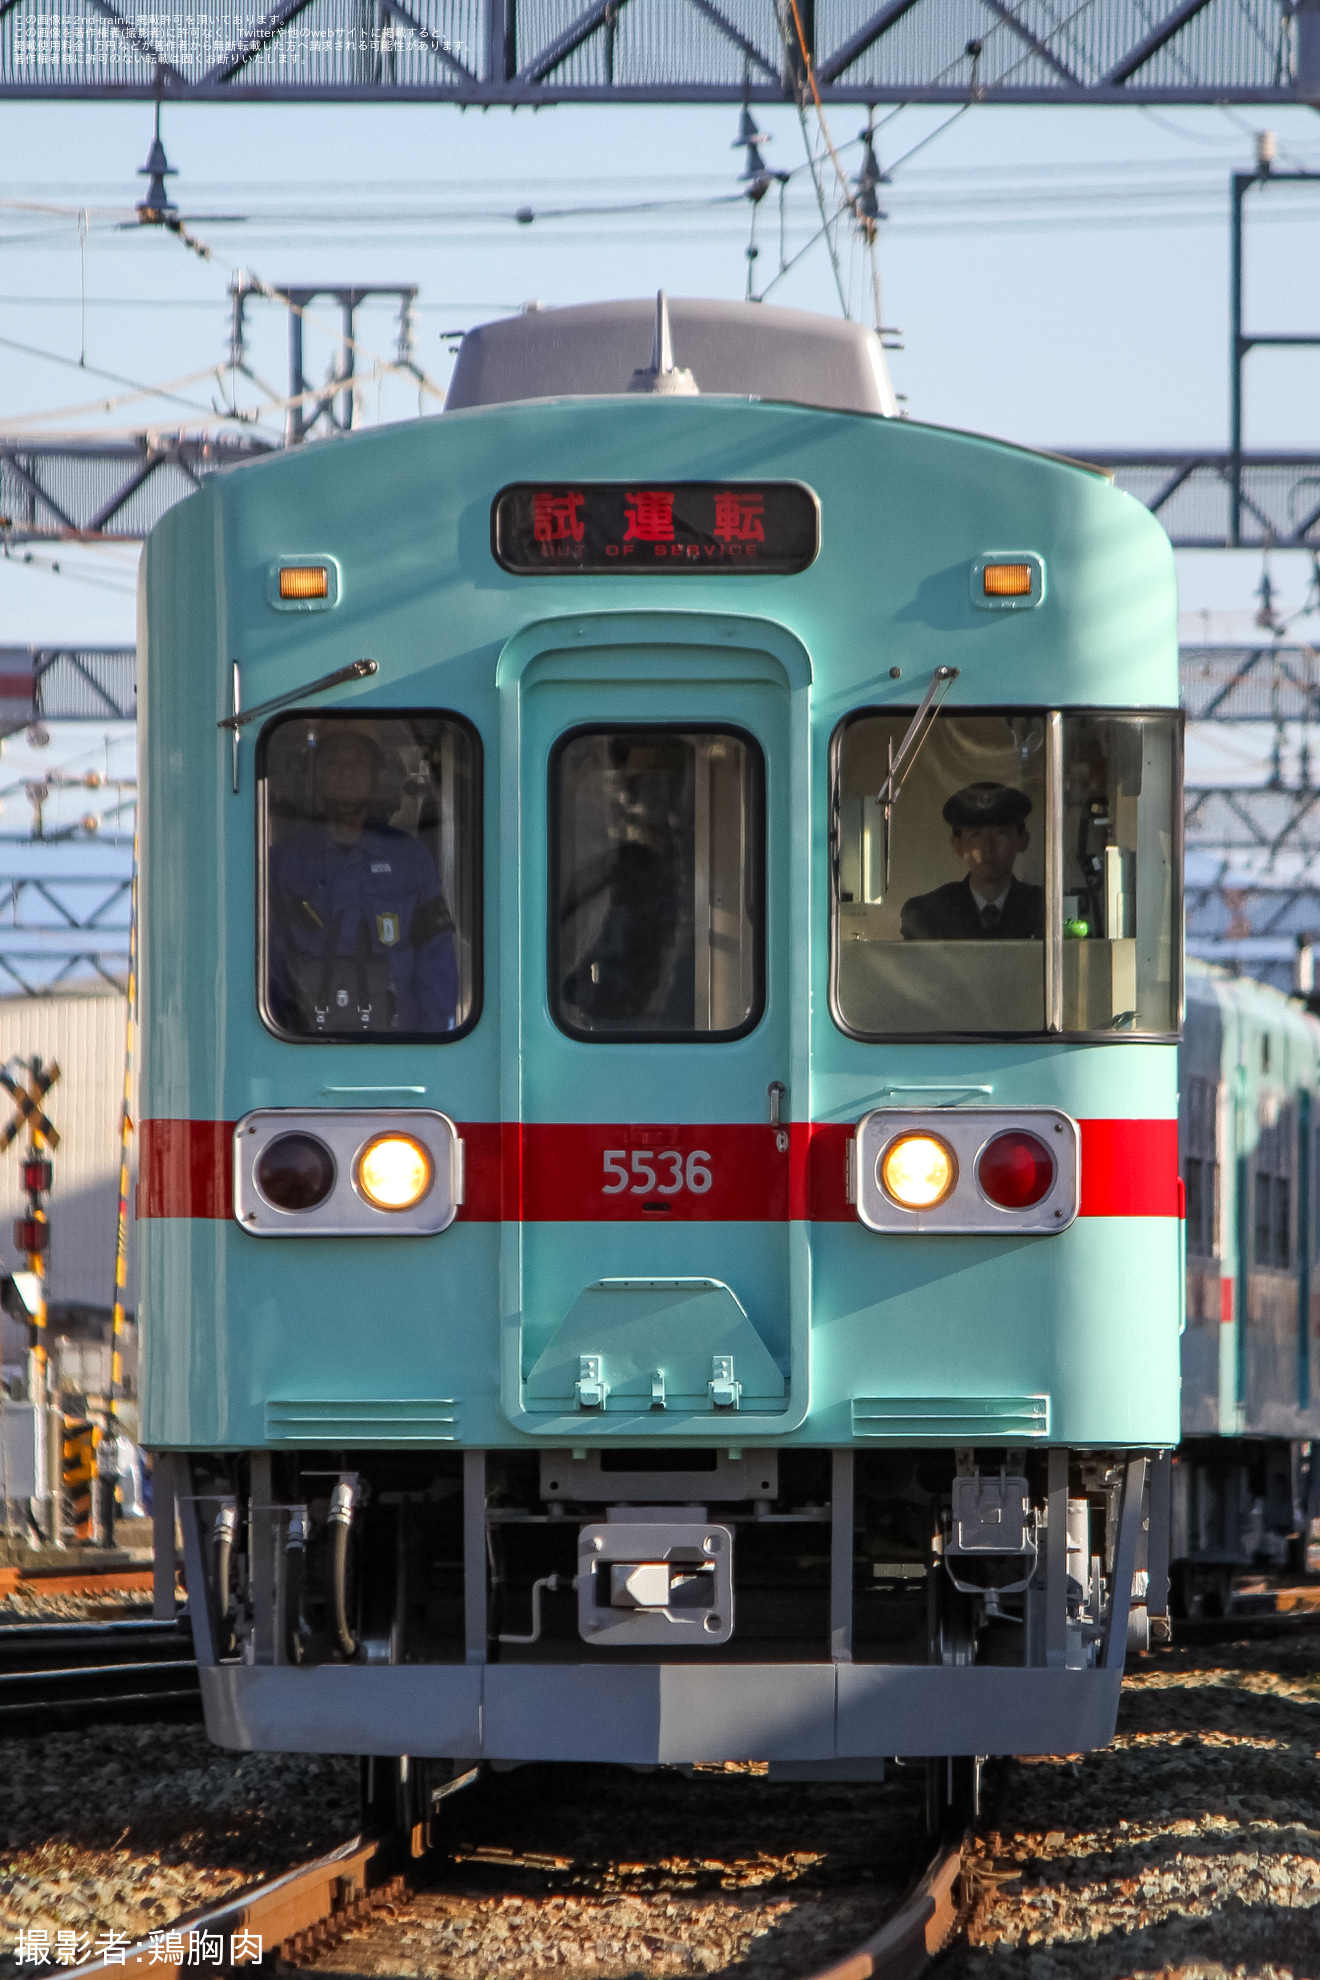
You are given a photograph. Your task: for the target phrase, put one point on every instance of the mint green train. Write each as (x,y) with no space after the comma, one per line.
(1245,1483)
(661,980)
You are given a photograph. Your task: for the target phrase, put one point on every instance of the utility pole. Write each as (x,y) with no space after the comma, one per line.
(308,405)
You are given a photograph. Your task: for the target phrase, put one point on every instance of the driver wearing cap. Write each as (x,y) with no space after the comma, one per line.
(988,826)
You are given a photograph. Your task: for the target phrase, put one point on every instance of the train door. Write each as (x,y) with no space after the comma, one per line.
(656,832)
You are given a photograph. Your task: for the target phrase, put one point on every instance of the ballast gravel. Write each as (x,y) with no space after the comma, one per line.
(1189,1850)
(29,1604)
(124,1829)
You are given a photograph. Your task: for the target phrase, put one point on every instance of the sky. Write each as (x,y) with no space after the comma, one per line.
(1055,277)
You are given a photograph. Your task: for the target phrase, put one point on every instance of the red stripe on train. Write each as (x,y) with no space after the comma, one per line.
(726,1173)
(185,1169)
(1129,1169)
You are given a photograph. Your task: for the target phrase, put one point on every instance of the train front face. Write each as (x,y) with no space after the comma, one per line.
(659,1203)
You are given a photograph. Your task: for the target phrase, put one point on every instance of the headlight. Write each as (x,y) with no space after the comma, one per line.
(918,1171)
(394,1172)
(295,1172)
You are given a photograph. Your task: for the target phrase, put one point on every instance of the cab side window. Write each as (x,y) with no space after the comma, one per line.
(656,884)
(369,876)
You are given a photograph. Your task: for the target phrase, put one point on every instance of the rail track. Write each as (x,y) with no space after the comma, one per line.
(110,1574)
(922,1926)
(65,1673)
(1264,1606)
(308,1912)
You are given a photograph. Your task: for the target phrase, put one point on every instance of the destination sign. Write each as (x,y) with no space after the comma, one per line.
(538,529)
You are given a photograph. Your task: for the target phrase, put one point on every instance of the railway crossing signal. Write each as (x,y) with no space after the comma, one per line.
(40,1080)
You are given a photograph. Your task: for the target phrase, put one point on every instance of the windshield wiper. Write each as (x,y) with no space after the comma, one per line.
(908,750)
(357,670)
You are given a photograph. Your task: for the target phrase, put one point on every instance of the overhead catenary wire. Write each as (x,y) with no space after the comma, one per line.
(920,208)
(57,568)
(165,391)
(17,425)
(258,286)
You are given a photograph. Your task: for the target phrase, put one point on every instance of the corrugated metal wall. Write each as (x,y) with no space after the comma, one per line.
(84,1032)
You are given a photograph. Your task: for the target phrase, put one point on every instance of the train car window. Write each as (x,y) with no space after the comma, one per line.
(940,907)
(1273,1190)
(657,848)
(1200,1140)
(370,862)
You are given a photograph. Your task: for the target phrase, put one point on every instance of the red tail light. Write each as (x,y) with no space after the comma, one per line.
(1016,1170)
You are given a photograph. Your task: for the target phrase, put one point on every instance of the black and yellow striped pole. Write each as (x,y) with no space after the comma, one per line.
(32,1230)
(80,1473)
(110,1482)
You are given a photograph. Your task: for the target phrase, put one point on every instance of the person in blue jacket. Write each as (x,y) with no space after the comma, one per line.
(359,935)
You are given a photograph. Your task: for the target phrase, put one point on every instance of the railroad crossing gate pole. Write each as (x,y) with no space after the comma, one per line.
(32,1236)
(109,1480)
(80,1441)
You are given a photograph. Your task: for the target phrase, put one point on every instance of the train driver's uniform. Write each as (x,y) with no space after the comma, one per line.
(988,831)
(361,938)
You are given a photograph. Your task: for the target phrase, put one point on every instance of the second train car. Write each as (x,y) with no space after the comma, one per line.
(1245,1491)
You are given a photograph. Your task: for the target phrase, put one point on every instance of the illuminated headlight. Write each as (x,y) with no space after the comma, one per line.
(394,1172)
(917,1171)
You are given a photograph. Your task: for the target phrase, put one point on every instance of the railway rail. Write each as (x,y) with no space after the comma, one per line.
(309,1911)
(302,1913)
(114,1574)
(59,1673)
(922,1925)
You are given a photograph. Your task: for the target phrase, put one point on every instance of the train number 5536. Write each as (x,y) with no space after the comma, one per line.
(656,1171)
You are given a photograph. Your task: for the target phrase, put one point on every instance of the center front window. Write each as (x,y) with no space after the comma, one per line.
(656,882)
(1023,880)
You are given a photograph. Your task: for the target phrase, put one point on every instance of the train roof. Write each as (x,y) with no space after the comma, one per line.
(1209,984)
(679,348)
